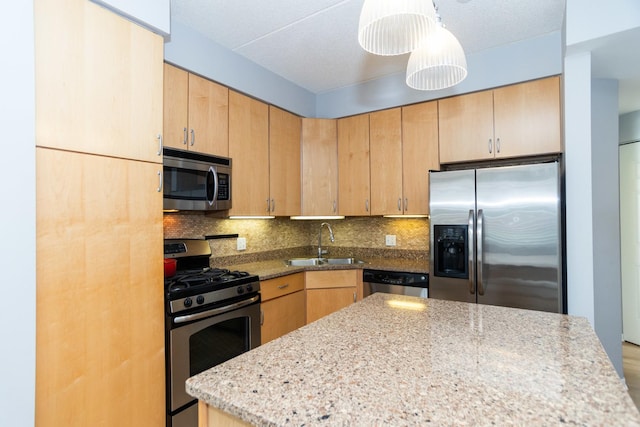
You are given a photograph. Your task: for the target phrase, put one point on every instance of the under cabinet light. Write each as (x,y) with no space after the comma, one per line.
(315,217)
(252,217)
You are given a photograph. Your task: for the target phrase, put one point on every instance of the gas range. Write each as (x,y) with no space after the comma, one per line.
(196,286)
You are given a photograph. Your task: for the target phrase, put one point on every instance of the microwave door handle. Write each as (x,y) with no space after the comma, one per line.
(214,194)
(470,245)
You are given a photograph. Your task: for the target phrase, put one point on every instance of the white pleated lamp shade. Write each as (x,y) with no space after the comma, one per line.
(438,63)
(394,27)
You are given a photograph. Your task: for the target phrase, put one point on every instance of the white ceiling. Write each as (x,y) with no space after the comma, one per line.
(313,43)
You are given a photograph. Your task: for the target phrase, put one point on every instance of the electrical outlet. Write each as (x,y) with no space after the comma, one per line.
(241,243)
(390,239)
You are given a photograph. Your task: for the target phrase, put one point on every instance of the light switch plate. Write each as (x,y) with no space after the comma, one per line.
(241,243)
(390,239)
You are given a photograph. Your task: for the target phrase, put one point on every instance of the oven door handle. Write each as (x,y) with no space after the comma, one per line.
(219,310)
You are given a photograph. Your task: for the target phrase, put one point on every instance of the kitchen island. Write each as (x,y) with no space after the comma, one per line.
(399,360)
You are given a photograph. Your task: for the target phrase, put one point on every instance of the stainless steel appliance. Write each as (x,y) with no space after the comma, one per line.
(211,316)
(195,181)
(395,282)
(496,236)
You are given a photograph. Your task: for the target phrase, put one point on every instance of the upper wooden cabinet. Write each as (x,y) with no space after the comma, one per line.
(249,152)
(196,113)
(386,162)
(354,195)
(99,81)
(419,155)
(512,121)
(319,167)
(284,162)
(404,147)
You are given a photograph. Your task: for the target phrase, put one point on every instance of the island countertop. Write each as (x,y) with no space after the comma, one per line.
(396,360)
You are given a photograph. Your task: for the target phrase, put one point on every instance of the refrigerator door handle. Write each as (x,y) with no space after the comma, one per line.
(470,240)
(480,235)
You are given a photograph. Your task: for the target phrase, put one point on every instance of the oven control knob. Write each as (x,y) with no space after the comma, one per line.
(240,290)
(249,288)
(187,302)
(200,299)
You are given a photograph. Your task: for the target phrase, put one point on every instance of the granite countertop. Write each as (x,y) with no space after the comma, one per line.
(437,362)
(276,268)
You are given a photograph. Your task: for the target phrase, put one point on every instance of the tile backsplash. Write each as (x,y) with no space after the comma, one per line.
(412,234)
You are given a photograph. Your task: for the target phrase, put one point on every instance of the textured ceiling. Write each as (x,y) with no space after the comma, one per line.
(314,43)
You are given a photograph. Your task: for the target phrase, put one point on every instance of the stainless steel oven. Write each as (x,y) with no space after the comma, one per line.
(212,315)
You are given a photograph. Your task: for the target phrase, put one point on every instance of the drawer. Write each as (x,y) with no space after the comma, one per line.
(279,286)
(332,279)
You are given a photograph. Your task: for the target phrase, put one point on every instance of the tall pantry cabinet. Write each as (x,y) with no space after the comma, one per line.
(99,286)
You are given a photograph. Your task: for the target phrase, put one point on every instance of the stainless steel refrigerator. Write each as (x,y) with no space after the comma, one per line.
(496,236)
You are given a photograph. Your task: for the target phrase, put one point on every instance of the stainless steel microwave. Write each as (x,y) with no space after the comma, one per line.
(195,181)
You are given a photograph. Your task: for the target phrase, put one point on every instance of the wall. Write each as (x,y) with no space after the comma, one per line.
(591,164)
(17,171)
(630,127)
(265,236)
(186,48)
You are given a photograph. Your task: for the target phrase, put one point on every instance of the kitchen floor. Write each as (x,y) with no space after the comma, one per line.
(631,368)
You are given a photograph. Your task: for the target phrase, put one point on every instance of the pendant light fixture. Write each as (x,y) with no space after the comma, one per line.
(394,27)
(439,62)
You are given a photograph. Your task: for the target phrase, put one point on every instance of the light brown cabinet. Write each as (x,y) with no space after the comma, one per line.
(249,151)
(196,113)
(354,189)
(330,290)
(283,306)
(419,155)
(319,167)
(99,286)
(404,147)
(284,162)
(512,121)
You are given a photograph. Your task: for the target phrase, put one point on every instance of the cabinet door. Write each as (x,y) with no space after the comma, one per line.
(99,291)
(282,315)
(419,154)
(176,107)
(466,127)
(321,302)
(99,82)
(527,118)
(353,166)
(208,116)
(284,162)
(319,167)
(249,152)
(386,162)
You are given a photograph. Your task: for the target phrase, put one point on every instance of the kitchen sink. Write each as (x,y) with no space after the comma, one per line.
(315,261)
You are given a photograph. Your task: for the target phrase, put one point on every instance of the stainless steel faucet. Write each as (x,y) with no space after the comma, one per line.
(320,238)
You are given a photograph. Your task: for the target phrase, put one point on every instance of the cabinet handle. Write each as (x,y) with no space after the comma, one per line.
(193,137)
(355,297)
(334,206)
(159,189)
(268,206)
(261,317)
(159,137)
(406,204)
(498,145)
(490,146)
(399,204)
(185,139)
(273,205)
(286,285)
(366,205)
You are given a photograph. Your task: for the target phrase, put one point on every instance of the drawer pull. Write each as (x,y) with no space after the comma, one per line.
(286,285)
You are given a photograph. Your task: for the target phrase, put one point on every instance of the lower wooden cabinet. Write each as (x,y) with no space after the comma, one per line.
(329,291)
(283,306)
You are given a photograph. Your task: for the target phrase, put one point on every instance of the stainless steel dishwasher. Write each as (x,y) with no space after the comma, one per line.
(395,282)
